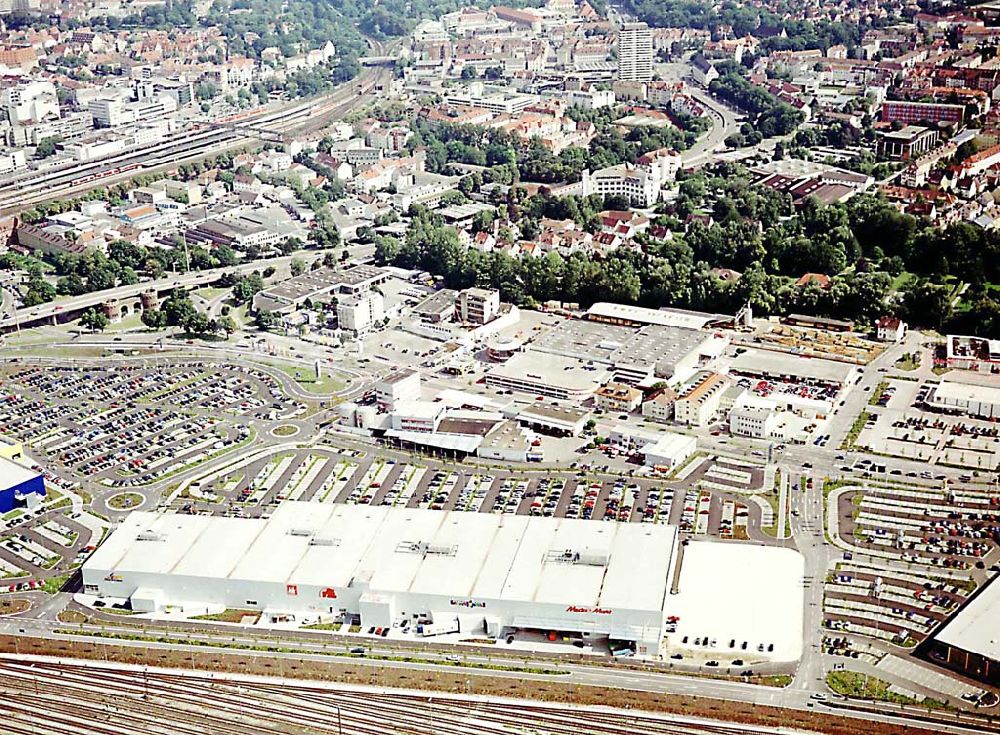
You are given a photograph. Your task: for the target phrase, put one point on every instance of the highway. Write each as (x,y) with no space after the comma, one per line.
(185,146)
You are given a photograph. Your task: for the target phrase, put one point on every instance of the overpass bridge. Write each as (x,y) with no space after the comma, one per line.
(127,298)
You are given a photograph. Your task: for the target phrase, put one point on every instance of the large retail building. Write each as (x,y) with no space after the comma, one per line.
(969,642)
(473,572)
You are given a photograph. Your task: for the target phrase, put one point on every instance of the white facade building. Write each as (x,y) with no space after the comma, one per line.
(698,405)
(361,312)
(478,305)
(400,386)
(754,418)
(421,416)
(12,161)
(890,329)
(670,450)
(473,573)
(30,102)
(635,53)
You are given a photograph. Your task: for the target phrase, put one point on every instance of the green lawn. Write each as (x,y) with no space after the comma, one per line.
(210,292)
(901,281)
(229,615)
(853,684)
(305,377)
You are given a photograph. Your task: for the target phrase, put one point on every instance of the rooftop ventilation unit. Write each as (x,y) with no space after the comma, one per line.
(323,541)
(440,550)
(584,557)
(306,532)
(425,549)
(150,536)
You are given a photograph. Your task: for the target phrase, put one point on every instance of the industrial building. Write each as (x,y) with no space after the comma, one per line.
(549,375)
(971,393)
(287,296)
(653,353)
(17,483)
(473,573)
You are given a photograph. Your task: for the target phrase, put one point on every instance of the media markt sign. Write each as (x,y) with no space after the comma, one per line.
(588,610)
(292,590)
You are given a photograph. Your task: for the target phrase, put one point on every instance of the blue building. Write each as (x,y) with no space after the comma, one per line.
(17,482)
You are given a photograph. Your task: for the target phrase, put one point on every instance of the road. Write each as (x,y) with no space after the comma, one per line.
(53,310)
(436,661)
(724,121)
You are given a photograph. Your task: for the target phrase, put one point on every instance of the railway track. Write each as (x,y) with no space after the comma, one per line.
(34,188)
(49,698)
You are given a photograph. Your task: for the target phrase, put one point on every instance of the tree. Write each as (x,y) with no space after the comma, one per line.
(297,267)
(39,292)
(94,320)
(228,325)
(198,323)
(178,310)
(246,287)
(46,147)
(266,319)
(289,245)
(928,304)
(154,318)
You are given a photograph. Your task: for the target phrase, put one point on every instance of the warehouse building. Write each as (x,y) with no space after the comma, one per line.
(17,483)
(971,393)
(473,573)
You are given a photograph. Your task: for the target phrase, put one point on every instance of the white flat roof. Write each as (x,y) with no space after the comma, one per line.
(974,628)
(11,473)
(670,442)
(518,558)
(643,315)
(764,587)
(546,369)
(969,387)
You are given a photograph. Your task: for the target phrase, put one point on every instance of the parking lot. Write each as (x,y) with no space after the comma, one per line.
(332,475)
(950,528)
(899,424)
(134,425)
(918,547)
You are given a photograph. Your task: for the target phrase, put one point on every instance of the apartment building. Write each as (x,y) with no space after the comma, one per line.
(698,405)
(617,398)
(910,113)
(635,53)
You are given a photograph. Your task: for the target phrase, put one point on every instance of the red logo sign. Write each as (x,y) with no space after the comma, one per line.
(588,610)
(292,590)
(328,593)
